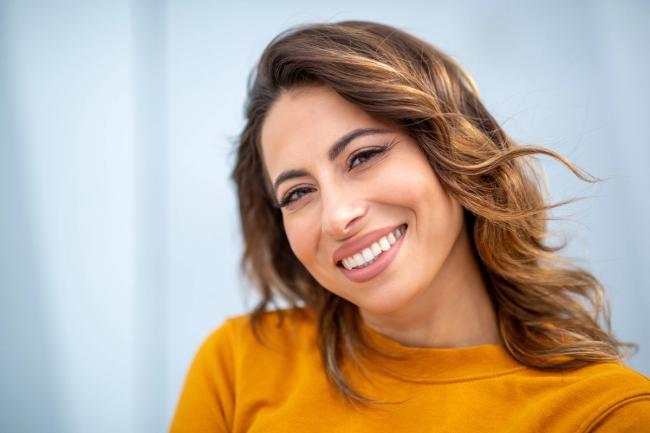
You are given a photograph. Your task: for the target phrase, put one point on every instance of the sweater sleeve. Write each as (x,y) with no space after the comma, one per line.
(206,402)
(632,416)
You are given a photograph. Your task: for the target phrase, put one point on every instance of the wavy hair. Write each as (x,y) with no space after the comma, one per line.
(548,309)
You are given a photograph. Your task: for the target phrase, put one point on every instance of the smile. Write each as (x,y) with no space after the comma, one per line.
(373,259)
(369,254)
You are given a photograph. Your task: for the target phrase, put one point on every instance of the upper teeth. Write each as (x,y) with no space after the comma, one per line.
(369,254)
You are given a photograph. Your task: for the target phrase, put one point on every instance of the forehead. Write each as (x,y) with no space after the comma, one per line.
(304,123)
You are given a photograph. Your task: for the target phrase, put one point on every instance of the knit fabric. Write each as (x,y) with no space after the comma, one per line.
(236,384)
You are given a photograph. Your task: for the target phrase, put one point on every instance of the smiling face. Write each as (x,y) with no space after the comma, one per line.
(346,181)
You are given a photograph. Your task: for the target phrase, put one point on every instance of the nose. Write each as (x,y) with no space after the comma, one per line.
(342,211)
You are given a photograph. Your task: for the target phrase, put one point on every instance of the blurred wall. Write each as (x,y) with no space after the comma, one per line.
(118,230)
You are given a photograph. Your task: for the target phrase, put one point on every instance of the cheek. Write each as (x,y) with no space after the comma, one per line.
(414,185)
(409,181)
(303,238)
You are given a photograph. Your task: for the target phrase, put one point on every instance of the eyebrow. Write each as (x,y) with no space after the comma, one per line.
(333,152)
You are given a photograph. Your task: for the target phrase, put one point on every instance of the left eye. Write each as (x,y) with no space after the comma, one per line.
(364,156)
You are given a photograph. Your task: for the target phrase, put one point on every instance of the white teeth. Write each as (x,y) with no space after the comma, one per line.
(370,254)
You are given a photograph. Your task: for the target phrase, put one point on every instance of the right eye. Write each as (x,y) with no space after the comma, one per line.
(294,195)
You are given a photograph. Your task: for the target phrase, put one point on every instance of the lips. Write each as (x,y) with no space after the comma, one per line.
(380,264)
(359,244)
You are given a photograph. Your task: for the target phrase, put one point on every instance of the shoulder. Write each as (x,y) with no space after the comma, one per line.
(233,353)
(600,396)
(621,397)
(625,416)
(611,378)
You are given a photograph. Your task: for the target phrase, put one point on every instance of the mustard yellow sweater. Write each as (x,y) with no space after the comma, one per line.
(235,384)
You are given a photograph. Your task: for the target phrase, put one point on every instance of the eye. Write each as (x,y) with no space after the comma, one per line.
(294,195)
(364,156)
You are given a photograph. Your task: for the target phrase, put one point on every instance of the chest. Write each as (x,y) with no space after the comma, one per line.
(313,405)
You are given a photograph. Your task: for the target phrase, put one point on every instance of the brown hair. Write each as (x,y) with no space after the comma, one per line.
(548,309)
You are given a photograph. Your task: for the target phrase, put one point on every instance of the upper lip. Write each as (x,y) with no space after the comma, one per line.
(359,244)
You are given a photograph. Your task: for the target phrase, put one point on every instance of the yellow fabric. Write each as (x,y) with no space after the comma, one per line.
(235,384)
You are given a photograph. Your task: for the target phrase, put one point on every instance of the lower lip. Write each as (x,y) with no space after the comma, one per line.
(375,268)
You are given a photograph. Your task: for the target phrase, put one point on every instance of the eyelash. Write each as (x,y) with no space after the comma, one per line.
(368,153)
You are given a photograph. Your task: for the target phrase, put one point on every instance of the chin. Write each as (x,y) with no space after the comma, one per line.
(384,305)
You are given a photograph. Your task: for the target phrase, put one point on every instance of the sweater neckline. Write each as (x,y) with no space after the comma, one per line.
(434,364)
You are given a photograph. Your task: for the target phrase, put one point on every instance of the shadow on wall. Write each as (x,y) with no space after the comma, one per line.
(28,395)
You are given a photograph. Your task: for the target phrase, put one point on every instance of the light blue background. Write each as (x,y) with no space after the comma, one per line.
(118,228)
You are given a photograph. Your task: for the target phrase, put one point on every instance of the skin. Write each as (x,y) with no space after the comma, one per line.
(432,294)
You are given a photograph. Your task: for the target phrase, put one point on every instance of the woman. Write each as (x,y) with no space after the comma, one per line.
(407,233)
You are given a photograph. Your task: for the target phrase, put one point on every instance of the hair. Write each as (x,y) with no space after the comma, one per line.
(547,308)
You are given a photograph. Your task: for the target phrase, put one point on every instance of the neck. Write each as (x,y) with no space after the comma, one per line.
(455,311)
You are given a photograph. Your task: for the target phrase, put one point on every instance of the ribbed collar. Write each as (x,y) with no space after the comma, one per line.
(419,364)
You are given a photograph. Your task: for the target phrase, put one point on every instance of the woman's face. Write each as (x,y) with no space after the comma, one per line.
(349,185)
